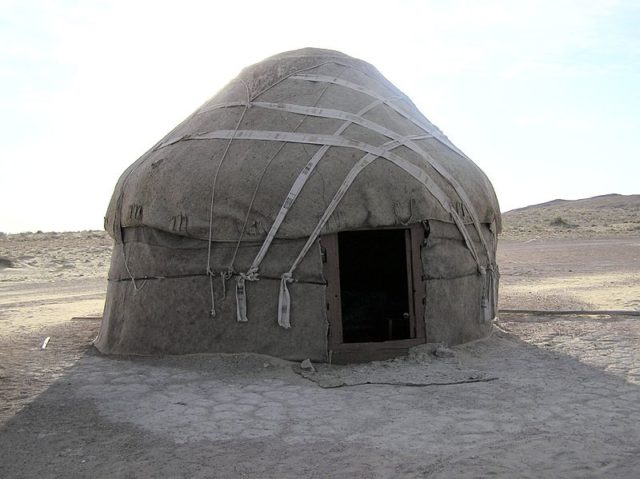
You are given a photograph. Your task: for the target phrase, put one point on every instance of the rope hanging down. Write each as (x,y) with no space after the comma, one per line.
(209,272)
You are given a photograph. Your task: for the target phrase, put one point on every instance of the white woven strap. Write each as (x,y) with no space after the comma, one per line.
(431,129)
(296,188)
(332,140)
(425,126)
(405,165)
(358,120)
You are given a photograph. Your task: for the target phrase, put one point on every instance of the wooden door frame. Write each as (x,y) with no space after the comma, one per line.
(339,351)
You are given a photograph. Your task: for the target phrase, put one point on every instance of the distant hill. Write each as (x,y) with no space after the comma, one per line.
(605,215)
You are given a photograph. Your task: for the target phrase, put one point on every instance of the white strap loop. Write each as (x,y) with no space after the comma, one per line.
(284,302)
(241,295)
(241,299)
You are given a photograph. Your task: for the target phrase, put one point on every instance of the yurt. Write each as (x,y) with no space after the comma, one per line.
(307,210)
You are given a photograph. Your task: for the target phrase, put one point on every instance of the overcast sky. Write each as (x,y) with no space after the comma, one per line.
(544,95)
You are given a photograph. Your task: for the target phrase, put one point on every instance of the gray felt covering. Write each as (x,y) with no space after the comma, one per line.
(161,218)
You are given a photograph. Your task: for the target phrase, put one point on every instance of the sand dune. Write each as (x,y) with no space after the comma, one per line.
(600,216)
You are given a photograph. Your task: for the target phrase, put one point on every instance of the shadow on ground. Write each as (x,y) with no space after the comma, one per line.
(204,416)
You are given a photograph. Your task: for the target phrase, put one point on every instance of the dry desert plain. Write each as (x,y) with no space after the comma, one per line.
(544,396)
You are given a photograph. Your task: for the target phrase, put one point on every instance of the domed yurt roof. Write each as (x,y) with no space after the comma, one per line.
(311,109)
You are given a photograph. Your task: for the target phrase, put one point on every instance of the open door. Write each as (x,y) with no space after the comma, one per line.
(375,292)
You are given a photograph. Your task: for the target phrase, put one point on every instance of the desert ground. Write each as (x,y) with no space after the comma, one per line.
(544,396)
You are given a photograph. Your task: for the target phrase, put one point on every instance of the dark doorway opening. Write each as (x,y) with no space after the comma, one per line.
(375,274)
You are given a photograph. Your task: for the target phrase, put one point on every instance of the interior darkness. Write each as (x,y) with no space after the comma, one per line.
(373,286)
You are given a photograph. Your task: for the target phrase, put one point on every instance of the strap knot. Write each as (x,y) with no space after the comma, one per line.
(241,299)
(249,275)
(252,274)
(288,277)
(226,275)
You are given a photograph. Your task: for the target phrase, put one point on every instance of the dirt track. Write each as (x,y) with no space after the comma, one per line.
(565,401)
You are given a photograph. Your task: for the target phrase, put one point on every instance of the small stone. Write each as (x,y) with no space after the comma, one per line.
(444,352)
(306,365)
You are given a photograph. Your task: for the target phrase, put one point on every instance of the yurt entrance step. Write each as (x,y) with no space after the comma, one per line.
(375,292)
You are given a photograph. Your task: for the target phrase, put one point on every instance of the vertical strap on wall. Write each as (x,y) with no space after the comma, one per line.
(488,294)
(284,302)
(212,311)
(486,313)
(241,299)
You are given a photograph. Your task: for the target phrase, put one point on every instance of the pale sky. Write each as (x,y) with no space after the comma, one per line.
(543,95)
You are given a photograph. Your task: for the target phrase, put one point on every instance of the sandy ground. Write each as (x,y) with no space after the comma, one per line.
(543,397)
